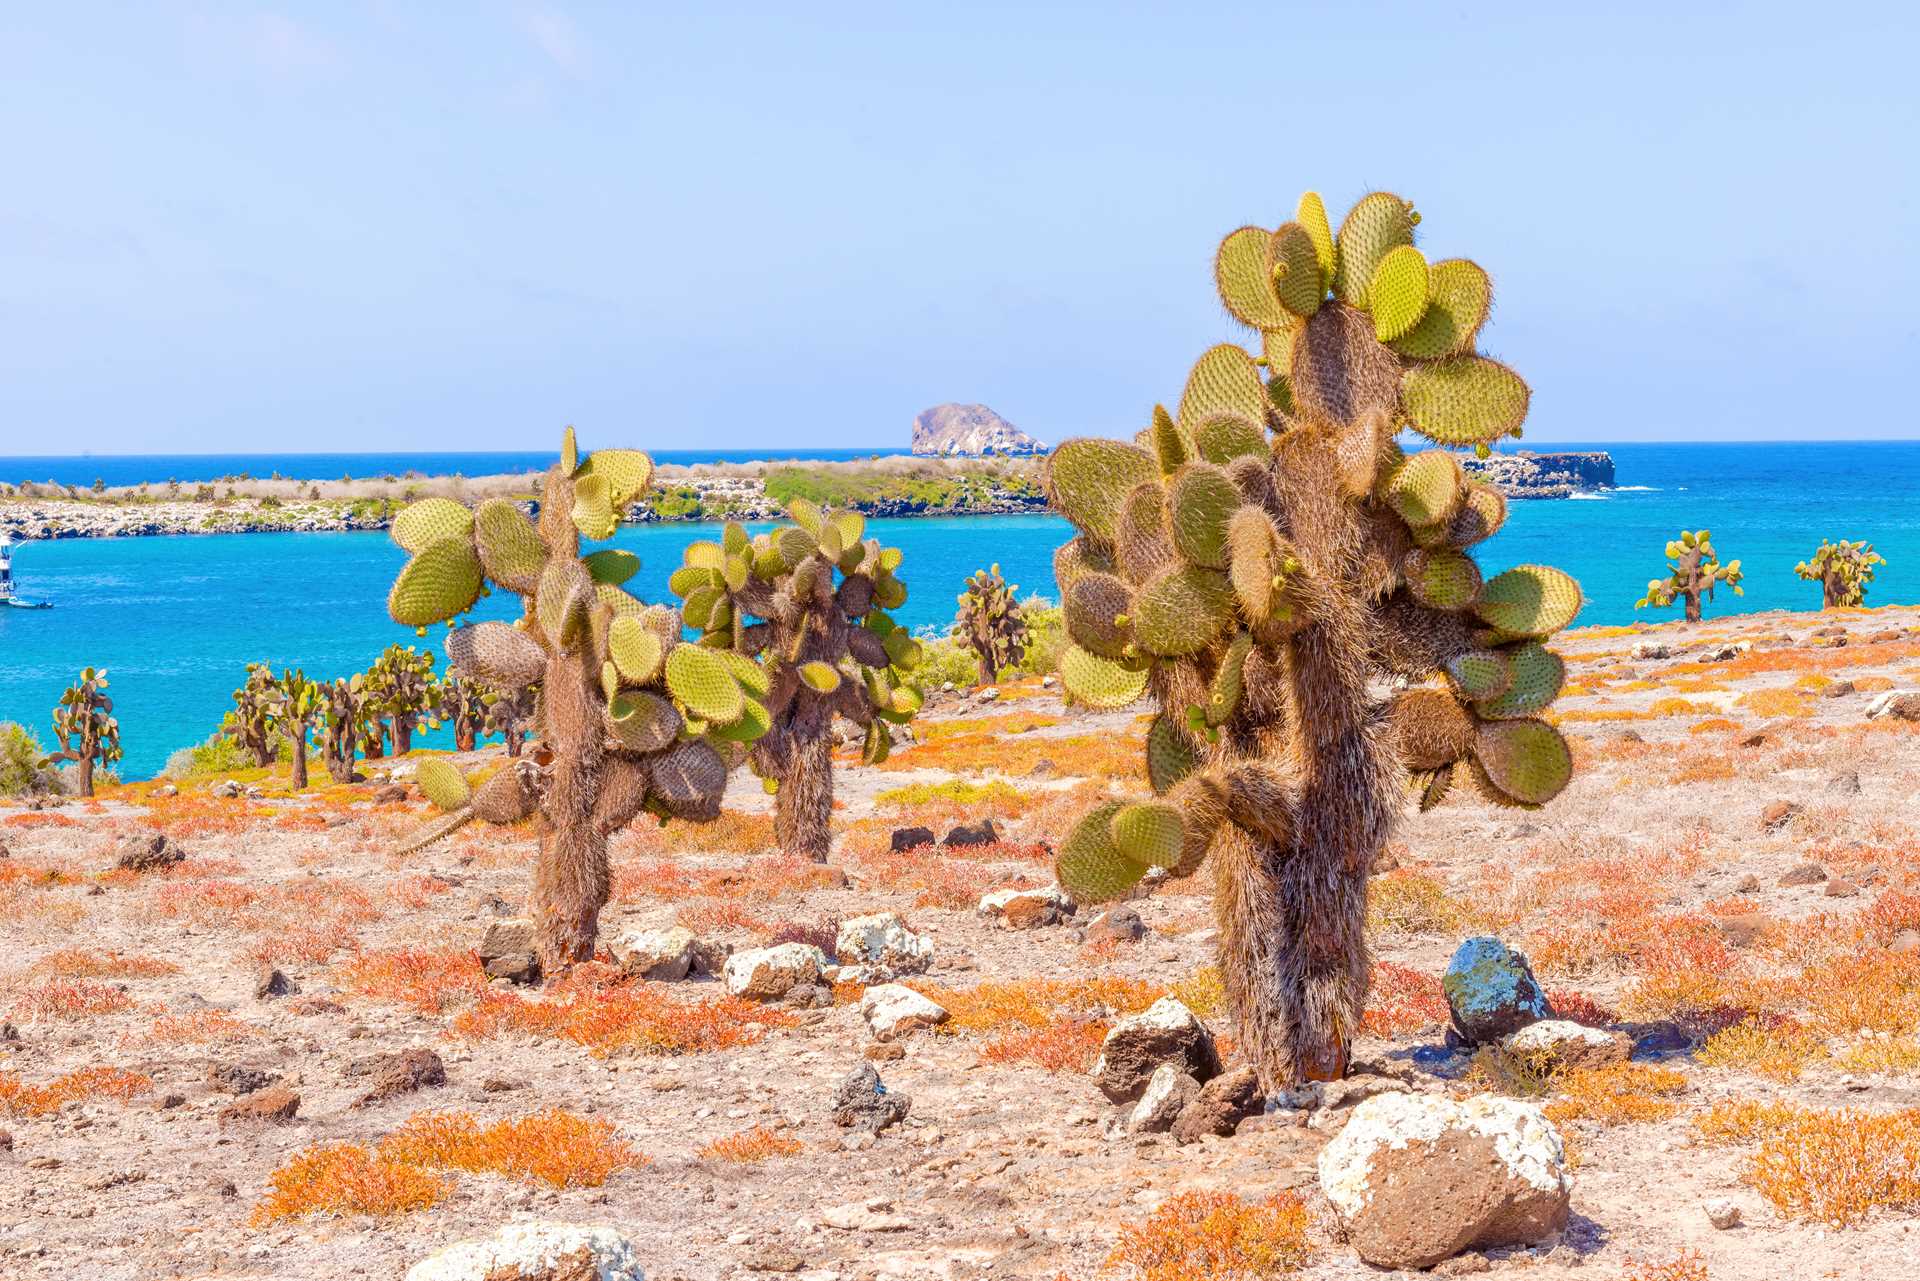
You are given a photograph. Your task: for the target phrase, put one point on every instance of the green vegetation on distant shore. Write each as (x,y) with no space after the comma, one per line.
(853,489)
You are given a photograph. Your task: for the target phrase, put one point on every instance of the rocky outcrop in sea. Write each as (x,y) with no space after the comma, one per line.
(1525,474)
(970,431)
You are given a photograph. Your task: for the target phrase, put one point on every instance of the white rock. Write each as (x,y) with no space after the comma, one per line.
(538,1251)
(1168,1091)
(1555,1044)
(892,1010)
(881,948)
(664,955)
(869,1216)
(767,972)
(1419,1178)
(1894,702)
(1723,1213)
(1651,649)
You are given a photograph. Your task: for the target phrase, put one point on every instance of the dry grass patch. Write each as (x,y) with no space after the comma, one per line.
(1617,1094)
(553,1146)
(748,1146)
(1214,1236)
(17,1098)
(345,1178)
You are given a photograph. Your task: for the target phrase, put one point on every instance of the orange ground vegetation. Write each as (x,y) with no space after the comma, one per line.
(1402,1000)
(757,1144)
(85,963)
(345,1178)
(428,980)
(1201,1236)
(1118,756)
(1688,1265)
(552,1146)
(69,999)
(1617,1094)
(199,1027)
(622,1018)
(17,1098)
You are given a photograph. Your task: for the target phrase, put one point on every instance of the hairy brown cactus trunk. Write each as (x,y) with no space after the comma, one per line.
(799,757)
(1693,604)
(1833,592)
(402,735)
(571,882)
(85,768)
(300,758)
(463,735)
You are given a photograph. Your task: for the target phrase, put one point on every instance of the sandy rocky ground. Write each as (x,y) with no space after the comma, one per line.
(1002,1168)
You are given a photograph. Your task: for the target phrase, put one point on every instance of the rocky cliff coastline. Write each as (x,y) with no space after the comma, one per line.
(1525,474)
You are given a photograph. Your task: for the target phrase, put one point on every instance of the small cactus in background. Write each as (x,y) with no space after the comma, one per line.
(1843,570)
(399,691)
(297,701)
(805,648)
(1262,560)
(631,718)
(510,714)
(85,725)
(990,623)
(463,704)
(251,722)
(341,717)
(1696,570)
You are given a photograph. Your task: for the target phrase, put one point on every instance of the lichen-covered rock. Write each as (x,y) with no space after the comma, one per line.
(1491,991)
(1024,909)
(768,973)
(664,956)
(539,1251)
(892,1010)
(1900,704)
(1136,1046)
(1557,1045)
(877,948)
(1418,1178)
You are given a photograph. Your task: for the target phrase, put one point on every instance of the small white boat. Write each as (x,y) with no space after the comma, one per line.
(6,581)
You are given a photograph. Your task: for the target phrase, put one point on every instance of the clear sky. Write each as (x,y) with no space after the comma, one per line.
(410,226)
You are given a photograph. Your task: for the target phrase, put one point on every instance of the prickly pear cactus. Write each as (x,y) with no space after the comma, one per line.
(1843,570)
(631,718)
(400,693)
(342,721)
(510,714)
(1262,559)
(797,617)
(297,701)
(990,623)
(84,723)
(251,723)
(463,704)
(1694,572)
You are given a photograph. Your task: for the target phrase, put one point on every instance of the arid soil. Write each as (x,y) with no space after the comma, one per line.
(1664,893)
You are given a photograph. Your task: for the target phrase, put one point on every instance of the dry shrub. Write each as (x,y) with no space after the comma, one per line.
(1677,707)
(210,904)
(1616,1094)
(428,980)
(553,1146)
(1578,1007)
(17,1098)
(1038,1003)
(1008,725)
(757,1144)
(1215,1236)
(1837,1167)
(1407,903)
(1874,991)
(707,916)
(626,1017)
(1776,703)
(1402,1000)
(957,797)
(69,999)
(1065,1045)
(1203,992)
(200,1027)
(732,833)
(1705,767)
(1742,1120)
(345,1178)
(1880,1054)
(1773,1046)
(84,963)
(1688,1265)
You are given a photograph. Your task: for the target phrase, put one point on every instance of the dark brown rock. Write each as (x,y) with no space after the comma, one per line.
(1804,874)
(272,984)
(1166,1032)
(519,967)
(237,1078)
(1220,1106)
(276,1105)
(885,1052)
(402,1073)
(148,854)
(911,838)
(1839,689)
(1841,887)
(1744,931)
(1778,815)
(971,834)
(863,1102)
(1120,924)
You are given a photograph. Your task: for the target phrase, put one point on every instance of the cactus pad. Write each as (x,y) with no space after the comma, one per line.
(1529,600)
(1180,610)
(1537,677)
(611,566)
(1098,682)
(443,579)
(496,654)
(1148,832)
(1311,214)
(429,521)
(561,602)
(1379,223)
(1464,400)
(1099,610)
(1223,437)
(1223,696)
(1480,516)
(442,783)
(1257,564)
(1398,293)
(1090,866)
(593,513)
(635,649)
(1088,479)
(701,681)
(1200,502)
(1432,728)
(1224,380)
(1526,759)
(1443,579)
(1169,441)
(643,721)
(689,771)
(1170,754)
(1459,295)
(626,472)
(1295,270)
(821,677)
(1480,673)
(502,799)
(1426,488)
(510,547)
(1240,269)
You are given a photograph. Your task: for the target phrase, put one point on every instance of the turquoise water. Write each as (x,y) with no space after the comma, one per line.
(176,619)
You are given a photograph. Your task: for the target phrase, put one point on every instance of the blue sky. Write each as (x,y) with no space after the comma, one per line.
(354,226)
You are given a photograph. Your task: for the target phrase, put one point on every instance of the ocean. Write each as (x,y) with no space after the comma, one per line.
(175,620)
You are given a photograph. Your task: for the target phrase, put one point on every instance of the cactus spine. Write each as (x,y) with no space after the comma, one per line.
(251,722)
(622,731)
(1694,571)
(84,723)
(990,623)
(1843,570)
(1258,562)
(807,648)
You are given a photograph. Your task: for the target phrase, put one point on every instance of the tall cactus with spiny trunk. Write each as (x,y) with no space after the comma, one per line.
(250,725)
(806,648)
(510,714)
(631,718)
(1843,570)
(341,720)
(1695,570)
(297,701)
(463,704)
(399,691)
(990,623)
(88,731)
(1261,562)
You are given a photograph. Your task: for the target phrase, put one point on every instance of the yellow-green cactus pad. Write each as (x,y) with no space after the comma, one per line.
(510,547)
(1538,675)
(1240,269)
(1442,579)
(1256,565)
(689,579)
(1426,488)
(1398,293)
(820,677)
(852,527)
(700,680)
(1099,682)
(1168,440)
(794,545)
(1224,380)
(643,721)
(1276,348)
(752,677)
(497,654)
(429,521)
(1088,479)
(593,513)
(1526,759)
(807,515)
(706,608)
(1200,502)
(1295,269)
(1099,614)
(1480,673)
(1073,558)
(1529,600)
(1223,696)
(1221,438)
(611,566)
(622,604)
(442,579)
(702,555)
(569,451)
(1464,400)
(1311,214)
(1090,866)
(442,783)
(1379,223)
(1180,610)
(1170,754)
(690,770)
(1480,516)
(562,600)
(1148,832)
(635,649)
(1459,295)
(626,472)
